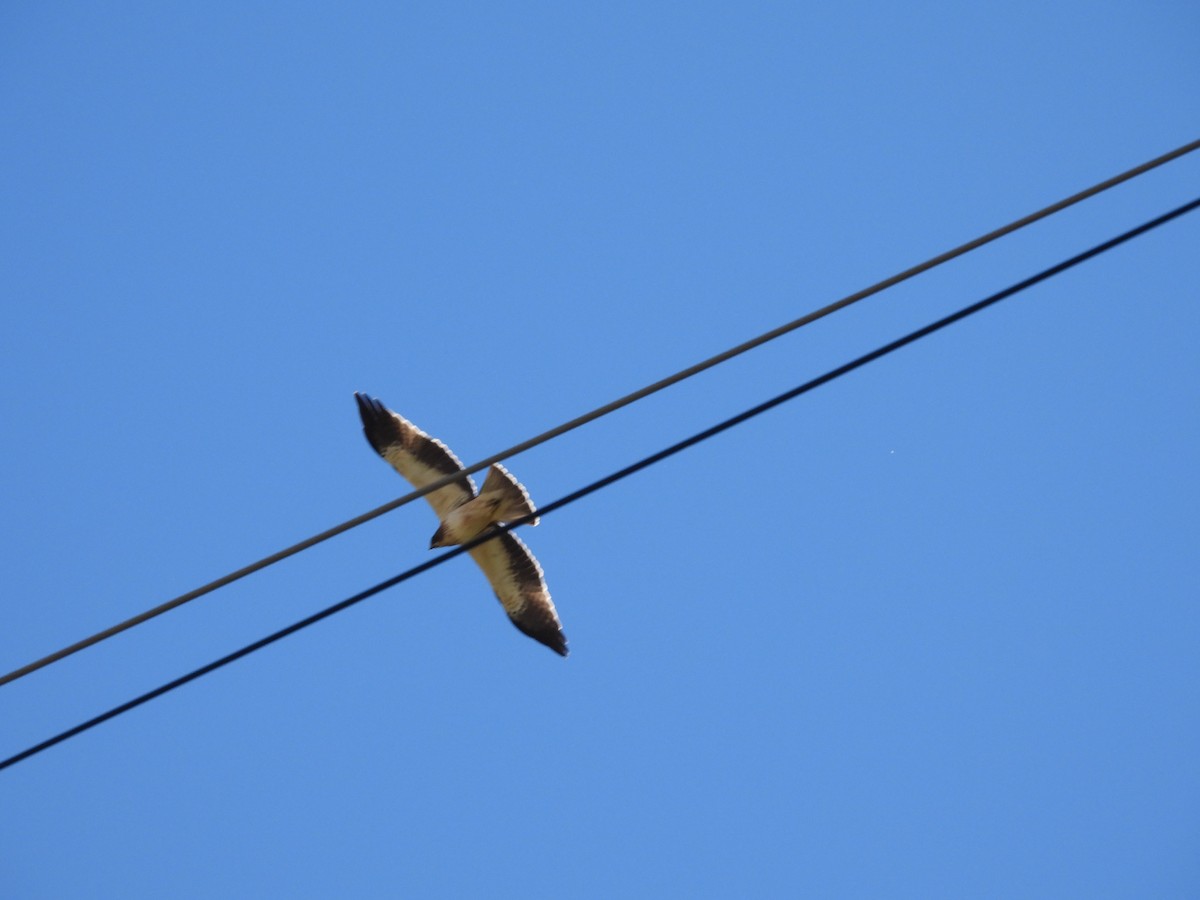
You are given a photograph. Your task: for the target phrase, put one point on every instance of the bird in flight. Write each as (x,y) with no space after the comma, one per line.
(515,576)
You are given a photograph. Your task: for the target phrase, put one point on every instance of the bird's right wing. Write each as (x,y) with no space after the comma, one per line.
(517,579)
(414,454)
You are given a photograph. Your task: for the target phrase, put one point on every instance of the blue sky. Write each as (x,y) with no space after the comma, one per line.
(928,631)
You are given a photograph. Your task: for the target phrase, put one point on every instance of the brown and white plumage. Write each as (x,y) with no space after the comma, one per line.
(520,587)
(515,576)
(415,455)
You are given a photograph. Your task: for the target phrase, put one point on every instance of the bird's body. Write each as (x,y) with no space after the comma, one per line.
(465,522)
(501,500)
(515,576)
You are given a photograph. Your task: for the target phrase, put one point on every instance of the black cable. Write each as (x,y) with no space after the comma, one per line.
(614,477)
(604,410)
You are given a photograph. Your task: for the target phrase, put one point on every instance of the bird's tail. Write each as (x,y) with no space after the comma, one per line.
(514,500)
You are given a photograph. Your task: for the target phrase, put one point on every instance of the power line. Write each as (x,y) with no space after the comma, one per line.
(641,464)
(604,410)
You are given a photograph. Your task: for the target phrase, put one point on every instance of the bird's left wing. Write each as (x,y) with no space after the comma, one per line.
(414,454)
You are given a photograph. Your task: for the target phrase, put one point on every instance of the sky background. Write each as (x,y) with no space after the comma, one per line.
(930,630)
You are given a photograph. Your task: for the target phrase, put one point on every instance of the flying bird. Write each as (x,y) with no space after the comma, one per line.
(515,576)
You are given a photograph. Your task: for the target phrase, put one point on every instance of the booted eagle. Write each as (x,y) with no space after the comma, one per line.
(514,574)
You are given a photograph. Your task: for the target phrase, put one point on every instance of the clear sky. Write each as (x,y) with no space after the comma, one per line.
(928,631)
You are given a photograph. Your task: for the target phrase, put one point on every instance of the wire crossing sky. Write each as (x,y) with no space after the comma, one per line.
(613,478)
(606,409)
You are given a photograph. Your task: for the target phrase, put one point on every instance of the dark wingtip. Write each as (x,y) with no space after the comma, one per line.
(548,634)
(557,642)
(368,407)
(378,424)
